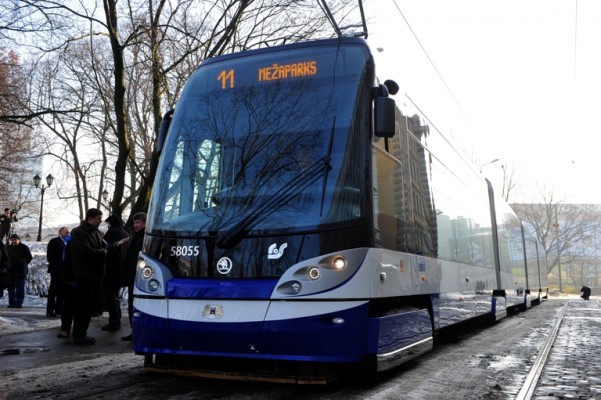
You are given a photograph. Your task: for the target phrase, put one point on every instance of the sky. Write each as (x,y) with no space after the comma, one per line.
(514,80)
(517,81)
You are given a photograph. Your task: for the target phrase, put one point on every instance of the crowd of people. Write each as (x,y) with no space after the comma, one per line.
(87,269)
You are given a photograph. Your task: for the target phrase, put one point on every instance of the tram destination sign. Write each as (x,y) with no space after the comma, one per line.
(274,72)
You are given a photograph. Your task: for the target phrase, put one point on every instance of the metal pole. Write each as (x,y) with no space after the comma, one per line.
(558,251)
(41,214)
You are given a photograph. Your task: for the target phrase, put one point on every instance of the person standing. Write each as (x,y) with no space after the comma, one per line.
(586,292)
(20,257)
(114,264)
(5,281)
(70,292)
(88,255)
(5,223)
(55,254)
(131,262)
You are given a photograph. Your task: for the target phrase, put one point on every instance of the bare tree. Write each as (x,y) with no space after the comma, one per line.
(510,181)
(154,46)
(17,149)
(566,232)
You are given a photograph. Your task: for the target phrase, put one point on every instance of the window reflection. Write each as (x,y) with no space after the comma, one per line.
(282,152)
(426,206)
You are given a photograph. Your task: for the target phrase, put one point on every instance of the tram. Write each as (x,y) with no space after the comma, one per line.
(302,223)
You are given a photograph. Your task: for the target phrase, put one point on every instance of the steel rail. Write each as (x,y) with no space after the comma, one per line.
(530,384)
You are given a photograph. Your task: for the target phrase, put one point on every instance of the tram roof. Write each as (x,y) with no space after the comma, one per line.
(285,47)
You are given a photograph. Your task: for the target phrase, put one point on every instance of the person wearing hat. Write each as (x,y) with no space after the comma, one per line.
(20,257)
(114,264)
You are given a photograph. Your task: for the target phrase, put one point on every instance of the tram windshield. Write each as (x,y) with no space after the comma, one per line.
(268,141)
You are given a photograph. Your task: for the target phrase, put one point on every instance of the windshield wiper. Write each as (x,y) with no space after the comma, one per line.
(303,180)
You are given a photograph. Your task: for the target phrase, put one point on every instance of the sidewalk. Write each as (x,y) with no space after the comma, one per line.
(28,339)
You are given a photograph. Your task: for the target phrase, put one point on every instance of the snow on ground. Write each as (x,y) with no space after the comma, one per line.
(26,321)
(36,290)
(41,382)
(35,302)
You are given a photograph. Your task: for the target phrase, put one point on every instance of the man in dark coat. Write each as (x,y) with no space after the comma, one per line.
(20,257)
(112,278)
(55,254)
(88,255)
(131,262)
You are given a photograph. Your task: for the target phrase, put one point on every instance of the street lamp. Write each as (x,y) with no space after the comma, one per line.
(105,196)
(36,181)
(556,226)
(488,163)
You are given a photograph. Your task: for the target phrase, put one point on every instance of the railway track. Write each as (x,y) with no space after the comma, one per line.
(530,384)
(568,363)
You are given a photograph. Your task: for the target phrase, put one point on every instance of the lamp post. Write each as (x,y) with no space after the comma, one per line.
(556,226)
(36,181)
(488,163)
(105,196)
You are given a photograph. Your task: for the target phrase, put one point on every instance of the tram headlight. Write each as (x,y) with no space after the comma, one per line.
(147,272)
(339,263)
(141,263)
(151,276)
(324,274)
(154,285)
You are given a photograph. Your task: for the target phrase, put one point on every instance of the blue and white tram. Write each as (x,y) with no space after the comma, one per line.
(300,221)
(537,267)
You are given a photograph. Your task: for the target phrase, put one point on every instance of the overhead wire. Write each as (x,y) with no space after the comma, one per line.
(430,60)
(575,49)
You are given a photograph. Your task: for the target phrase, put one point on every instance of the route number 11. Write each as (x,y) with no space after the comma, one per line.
(227,79)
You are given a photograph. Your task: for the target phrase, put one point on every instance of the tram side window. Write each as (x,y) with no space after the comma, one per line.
(405,216)
(464,229)
(511,248)
(391,229)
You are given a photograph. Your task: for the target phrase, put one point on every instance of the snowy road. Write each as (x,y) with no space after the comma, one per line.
(474,362)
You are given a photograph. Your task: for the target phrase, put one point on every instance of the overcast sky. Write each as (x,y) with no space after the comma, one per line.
(515,80)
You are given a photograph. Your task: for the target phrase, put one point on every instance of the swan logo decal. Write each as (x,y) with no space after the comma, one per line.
(224,265)
(273,253)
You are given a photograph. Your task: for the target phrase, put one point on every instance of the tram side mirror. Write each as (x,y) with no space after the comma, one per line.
(384,118)
(392,86)
(165,123)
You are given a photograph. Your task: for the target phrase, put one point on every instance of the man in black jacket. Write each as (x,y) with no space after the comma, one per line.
(20,257)
(55,254)
(114,265)
(88,255)
(131,262)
